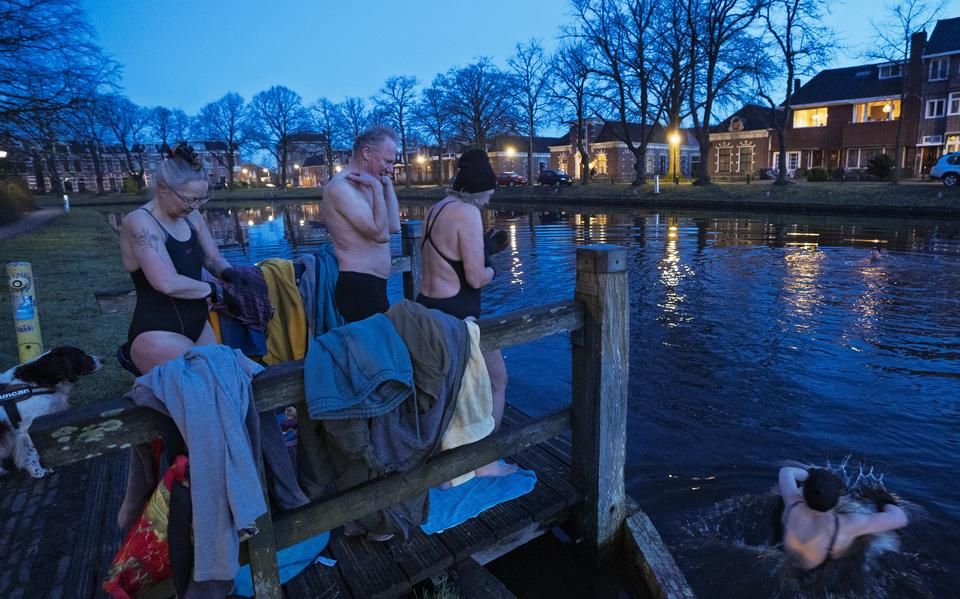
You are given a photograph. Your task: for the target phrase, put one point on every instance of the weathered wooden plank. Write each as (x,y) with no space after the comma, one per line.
(411,237)
(421,556)
(399,264)
(317,582)
(80,433)
(551,473)
(506,518)
(262,549)
(467,538)
(600,374)
(473,581)
(327,514)
(650,560)
(367,567)
(524,326)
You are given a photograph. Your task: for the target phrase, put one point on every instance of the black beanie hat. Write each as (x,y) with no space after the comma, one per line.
(474,173)
(822,489)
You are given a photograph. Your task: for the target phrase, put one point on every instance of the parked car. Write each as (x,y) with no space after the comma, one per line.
(947,169)
(510,178)
(554,177)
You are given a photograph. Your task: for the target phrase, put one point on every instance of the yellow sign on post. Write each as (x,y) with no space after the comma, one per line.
(26,314)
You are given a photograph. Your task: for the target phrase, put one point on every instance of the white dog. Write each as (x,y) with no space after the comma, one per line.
(40,386)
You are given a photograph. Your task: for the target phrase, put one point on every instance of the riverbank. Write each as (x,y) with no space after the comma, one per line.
(907,199)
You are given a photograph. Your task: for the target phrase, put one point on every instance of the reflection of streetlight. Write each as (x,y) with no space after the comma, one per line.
(675,142)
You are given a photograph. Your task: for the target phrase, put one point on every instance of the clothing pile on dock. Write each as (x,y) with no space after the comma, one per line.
(381,395)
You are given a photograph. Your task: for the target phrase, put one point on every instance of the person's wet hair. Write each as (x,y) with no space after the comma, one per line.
(822,489)
(373,137)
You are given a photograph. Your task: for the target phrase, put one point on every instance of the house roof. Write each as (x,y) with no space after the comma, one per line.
(848,83)
(313,160)
(945,37)
(306,136)
(541,145)
(753,117)
(607,133)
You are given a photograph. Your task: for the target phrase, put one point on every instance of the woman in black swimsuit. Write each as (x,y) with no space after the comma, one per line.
(454,267)
(164,244)
(813,531)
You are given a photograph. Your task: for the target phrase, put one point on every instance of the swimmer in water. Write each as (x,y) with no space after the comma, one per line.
(813,531)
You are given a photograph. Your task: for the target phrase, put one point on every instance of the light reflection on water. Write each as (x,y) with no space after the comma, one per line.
(754,339)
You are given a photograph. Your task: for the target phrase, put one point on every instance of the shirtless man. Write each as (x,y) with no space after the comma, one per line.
(360,209)
(813,531)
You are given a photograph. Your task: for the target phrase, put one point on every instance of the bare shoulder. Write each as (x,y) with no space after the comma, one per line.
(141,231)
(196,219)
(339,189)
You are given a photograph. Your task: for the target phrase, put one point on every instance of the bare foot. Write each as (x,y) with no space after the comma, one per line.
(498,468)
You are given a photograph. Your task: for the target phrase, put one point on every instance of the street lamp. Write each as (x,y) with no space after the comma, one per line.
(3,154)
(296,167)
(511,151)
(675,142)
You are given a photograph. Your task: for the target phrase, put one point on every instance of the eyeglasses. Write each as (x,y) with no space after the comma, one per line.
(195,202)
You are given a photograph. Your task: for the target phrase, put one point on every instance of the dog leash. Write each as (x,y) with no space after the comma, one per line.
(13,394)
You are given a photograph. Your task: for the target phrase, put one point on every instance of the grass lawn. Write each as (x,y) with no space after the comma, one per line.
(73,256)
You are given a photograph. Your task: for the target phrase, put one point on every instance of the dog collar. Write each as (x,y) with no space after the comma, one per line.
(12,394)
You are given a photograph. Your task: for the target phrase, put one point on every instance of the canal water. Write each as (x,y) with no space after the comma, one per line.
(755,339)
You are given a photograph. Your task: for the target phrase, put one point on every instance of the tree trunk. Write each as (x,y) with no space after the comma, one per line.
(703,169)
(895,175)
(39,173)
(639,166)
(440,172)
(530,154)
(782,159)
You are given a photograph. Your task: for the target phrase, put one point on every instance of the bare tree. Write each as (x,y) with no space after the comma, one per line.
(273,116)
(621,34)
(127,124)
(180,126)
(723,59)
(159,122)
(328,122)
(798,43)
(224,121)
(531,71)
(894,35)
(432,117)
(356,117)
(88,127)
(49,62)
(569,98)
(673,66)
(479,100)
(395,101)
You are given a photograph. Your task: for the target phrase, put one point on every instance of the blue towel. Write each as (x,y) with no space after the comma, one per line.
(359,370)
(456,505)
(291,561)
(237,335)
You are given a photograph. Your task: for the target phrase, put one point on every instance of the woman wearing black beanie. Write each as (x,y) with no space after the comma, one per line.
(455,264)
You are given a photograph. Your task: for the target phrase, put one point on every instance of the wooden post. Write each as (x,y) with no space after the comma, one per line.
(411,235)
(264,571)
(599,407)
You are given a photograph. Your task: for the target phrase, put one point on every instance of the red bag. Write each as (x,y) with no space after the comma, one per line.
(144,558)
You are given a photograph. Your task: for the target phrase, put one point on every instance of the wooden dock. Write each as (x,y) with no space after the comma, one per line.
(577,452)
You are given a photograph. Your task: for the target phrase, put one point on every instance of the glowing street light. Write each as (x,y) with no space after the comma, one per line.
(675,142)
(511,151)
(421,159)
(3,154)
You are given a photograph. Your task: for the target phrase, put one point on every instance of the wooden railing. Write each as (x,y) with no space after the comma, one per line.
(599,320)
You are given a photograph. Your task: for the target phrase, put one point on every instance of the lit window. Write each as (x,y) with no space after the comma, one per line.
(890,71)
(885,110)
(811,117)
(602,163)
(939,68)
(935,108)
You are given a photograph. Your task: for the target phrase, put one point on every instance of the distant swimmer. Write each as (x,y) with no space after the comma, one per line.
(813,531)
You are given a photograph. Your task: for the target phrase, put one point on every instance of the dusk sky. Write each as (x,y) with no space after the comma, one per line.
(184,54)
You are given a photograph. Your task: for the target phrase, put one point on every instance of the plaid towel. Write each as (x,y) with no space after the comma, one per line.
(254,299)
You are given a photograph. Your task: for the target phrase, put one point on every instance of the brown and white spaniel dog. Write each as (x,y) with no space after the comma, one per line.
(32,389)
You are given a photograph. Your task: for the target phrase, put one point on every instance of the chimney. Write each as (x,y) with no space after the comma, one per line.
(796,85)
(913,70)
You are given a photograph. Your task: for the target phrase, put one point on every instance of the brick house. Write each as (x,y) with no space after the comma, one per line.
(508,153)
(611,158)
(843,117)
(939,128)
(742,144)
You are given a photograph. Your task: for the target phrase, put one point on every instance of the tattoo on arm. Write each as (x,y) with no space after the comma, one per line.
(145,239)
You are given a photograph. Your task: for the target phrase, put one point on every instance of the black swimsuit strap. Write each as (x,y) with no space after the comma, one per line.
(431,221)
(165,230)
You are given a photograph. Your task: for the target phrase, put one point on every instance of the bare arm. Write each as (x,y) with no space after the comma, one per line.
(145,241)
(788,479)
(368,219)
(393,206)
(212,260)
(470,237)
(891,518)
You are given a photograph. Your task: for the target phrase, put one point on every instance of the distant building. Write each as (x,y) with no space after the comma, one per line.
(509,153)
(611,159)
(742,144)
(939,128)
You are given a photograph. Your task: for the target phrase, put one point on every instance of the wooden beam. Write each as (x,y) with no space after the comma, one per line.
(600,375)
(411,238)
(80,433)
(650,561)
(301,524)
